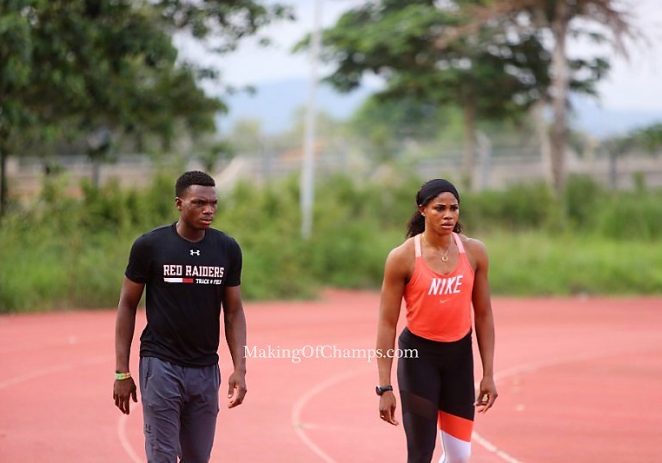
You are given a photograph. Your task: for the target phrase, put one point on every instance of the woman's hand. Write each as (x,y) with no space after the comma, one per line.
(486,395)
(387,408)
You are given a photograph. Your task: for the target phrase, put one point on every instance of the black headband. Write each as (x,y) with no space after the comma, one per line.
(434,188)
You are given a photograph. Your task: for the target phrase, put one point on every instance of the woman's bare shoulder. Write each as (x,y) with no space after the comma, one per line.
(475,247)
(402,254)
(473,244)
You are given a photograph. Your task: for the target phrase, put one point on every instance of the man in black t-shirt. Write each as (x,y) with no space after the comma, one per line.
(190,271)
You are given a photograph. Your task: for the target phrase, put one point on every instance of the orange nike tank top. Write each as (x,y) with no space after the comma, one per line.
(439,304)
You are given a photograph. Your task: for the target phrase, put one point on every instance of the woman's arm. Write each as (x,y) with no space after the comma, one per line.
(484,321)
(395,274)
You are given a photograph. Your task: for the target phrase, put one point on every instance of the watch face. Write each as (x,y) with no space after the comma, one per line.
(380,390)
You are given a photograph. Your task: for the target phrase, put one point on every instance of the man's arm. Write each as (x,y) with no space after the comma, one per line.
(235,334)
(124,390)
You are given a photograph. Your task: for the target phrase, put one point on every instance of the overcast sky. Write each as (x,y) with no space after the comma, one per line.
(634,84)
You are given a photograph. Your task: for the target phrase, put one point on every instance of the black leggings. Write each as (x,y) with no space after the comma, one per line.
(436,388)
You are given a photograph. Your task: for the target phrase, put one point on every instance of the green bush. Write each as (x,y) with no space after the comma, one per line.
(533,263)
(630,216)
(582,196)
(519,207)
(66,252)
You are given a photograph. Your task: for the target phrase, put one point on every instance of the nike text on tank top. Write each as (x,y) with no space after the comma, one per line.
(439,304)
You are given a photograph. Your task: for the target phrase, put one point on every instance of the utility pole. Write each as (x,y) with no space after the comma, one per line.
(308,168)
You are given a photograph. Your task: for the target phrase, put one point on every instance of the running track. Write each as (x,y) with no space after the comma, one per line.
(579,381)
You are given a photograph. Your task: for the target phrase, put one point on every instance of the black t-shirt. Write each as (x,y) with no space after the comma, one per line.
(185,283)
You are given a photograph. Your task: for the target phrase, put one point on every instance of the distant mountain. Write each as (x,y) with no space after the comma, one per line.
(274,104)
(600,122)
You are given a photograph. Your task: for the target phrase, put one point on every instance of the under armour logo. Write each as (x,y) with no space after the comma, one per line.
(195,253)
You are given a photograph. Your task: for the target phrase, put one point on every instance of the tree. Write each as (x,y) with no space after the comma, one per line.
(109,66)
(121,65)
(384,127)
(560,19)
(648,139)
(15,71)
(212,151)
(247,137)
(490,74)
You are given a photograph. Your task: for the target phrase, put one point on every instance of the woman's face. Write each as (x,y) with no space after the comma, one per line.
(441,213)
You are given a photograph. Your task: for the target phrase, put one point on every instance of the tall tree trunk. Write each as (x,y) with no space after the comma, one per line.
(613,170)
(3,179)
(542,131)
(469,155)
(4,152)
(96,172)
(560,79)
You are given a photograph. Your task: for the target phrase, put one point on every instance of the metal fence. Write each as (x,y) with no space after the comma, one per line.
(496,167)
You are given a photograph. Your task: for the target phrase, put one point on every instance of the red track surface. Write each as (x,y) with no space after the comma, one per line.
(579,381)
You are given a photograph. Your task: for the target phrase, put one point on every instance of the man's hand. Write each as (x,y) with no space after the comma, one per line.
(123,391)
(236,388)
(387,408)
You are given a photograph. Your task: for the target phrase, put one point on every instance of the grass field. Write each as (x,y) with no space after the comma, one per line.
(65,252)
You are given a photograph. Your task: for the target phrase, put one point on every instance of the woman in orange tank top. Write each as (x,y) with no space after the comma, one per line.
(442,276)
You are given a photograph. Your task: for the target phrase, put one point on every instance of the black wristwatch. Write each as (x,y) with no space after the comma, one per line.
(381,389)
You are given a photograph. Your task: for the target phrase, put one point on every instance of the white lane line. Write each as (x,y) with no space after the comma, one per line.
(297,408)
(124,441)
(71,340)
(121,424)
(534,366)
(35,374)
(299,427)
(51,370)
(490,447)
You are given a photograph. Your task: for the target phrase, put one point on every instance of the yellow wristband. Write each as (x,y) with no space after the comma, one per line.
(122,376)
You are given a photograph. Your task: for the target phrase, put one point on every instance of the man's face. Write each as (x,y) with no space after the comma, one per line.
(197,206)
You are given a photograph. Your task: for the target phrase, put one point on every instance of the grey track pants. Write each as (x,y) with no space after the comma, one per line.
(180,407)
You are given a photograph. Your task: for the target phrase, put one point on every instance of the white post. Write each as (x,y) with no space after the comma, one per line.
(308,168)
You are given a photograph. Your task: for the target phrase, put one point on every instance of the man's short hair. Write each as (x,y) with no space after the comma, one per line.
(193,177)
